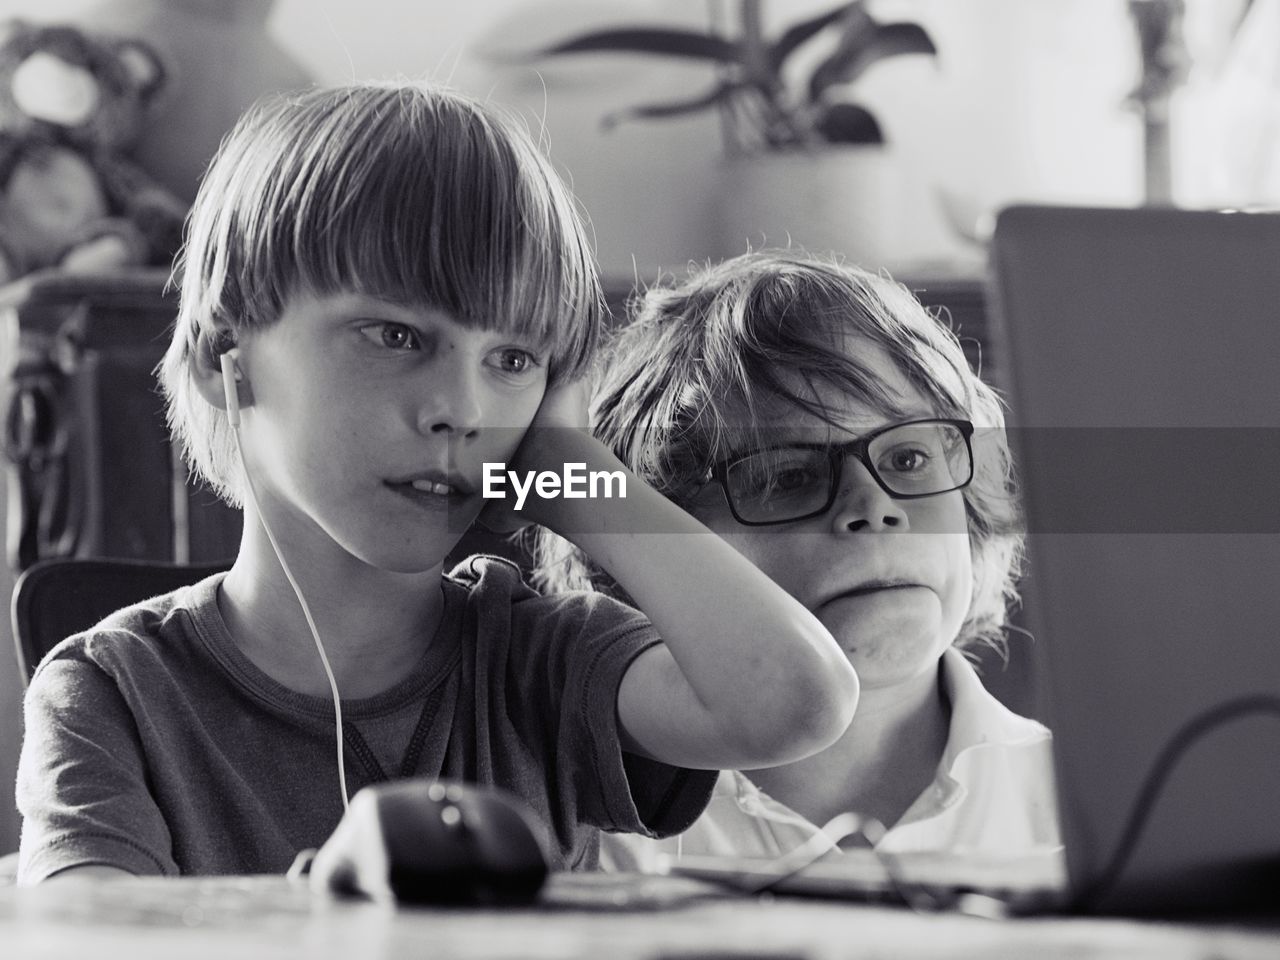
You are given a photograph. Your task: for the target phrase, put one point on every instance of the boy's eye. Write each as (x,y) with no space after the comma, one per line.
(907,459)
(513,360)
(777,474)
(792,479)
(392,335)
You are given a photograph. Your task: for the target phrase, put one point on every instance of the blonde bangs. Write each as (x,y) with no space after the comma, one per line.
(424,200)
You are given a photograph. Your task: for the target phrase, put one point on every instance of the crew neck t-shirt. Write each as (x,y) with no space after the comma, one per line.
(155,745)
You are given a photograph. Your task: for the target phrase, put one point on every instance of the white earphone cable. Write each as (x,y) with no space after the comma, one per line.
(302,601)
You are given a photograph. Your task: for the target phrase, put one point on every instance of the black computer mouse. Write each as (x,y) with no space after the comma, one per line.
(455,843)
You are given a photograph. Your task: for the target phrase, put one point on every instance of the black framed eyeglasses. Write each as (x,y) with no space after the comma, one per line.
(782,484)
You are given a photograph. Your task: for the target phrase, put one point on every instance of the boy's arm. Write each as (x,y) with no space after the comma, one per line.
(81,782)
(746,677)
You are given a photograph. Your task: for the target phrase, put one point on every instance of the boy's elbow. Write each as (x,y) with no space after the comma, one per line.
(823,711)
(811,717)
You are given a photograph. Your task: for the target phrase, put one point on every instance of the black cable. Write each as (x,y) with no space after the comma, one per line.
(813,849)
(921,898)
(912,894)
(1155,780)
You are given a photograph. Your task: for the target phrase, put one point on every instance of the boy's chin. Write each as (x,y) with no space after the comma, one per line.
(889,649)
(880,667)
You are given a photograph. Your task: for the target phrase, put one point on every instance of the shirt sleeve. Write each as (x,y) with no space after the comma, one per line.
(591,640)
(82,780)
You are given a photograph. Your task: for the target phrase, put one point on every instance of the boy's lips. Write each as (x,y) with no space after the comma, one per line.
(433,486)
(438,482)
(868,587)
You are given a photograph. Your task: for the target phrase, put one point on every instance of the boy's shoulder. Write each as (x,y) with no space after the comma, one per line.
(151,630)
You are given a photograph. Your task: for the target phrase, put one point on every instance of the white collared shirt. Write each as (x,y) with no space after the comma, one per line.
(993,796)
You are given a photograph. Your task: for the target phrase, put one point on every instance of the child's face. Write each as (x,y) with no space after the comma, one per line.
(831,562)
(361,412)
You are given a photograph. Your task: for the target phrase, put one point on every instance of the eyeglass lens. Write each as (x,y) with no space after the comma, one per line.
(910,460)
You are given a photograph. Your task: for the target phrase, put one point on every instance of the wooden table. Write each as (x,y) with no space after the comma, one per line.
(583,916)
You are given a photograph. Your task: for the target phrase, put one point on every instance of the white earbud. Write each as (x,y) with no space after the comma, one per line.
(228,360)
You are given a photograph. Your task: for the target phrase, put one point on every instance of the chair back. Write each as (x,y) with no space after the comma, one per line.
(54,599)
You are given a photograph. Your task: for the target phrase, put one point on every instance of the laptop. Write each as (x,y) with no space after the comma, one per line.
(1142,348)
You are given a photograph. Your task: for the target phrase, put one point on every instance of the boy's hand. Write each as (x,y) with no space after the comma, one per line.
(564,405)
(354,860)
(433,841)
(563,408)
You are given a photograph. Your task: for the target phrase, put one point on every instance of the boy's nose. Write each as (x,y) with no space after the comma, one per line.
(863,505)
(452,404)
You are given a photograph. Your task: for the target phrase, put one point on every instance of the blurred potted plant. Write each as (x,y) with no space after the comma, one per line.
(753,89)
(805,164)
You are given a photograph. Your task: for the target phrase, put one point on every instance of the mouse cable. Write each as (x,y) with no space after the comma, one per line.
(813,849)
(827,840)
(843,825)
(306,612)
(1149,793)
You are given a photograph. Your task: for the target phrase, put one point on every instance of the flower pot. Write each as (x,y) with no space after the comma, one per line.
(846,200)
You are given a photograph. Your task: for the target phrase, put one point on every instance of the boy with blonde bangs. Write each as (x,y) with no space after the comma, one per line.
(818,419)
(389,287)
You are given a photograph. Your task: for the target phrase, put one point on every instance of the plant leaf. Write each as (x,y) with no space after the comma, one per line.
(857,29)
(717,94)
(798,34)
(852,59)
(849,123)
(670,43)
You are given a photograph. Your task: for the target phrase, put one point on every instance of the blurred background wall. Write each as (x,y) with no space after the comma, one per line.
(1024,101)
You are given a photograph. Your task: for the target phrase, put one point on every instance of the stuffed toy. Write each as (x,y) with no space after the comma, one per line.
(71,105)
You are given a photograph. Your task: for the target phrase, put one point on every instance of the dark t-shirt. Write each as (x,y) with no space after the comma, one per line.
(153,744)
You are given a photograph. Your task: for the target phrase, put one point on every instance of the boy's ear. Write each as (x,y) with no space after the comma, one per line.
(207,369)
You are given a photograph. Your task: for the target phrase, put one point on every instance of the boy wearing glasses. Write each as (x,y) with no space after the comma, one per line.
(817,418)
